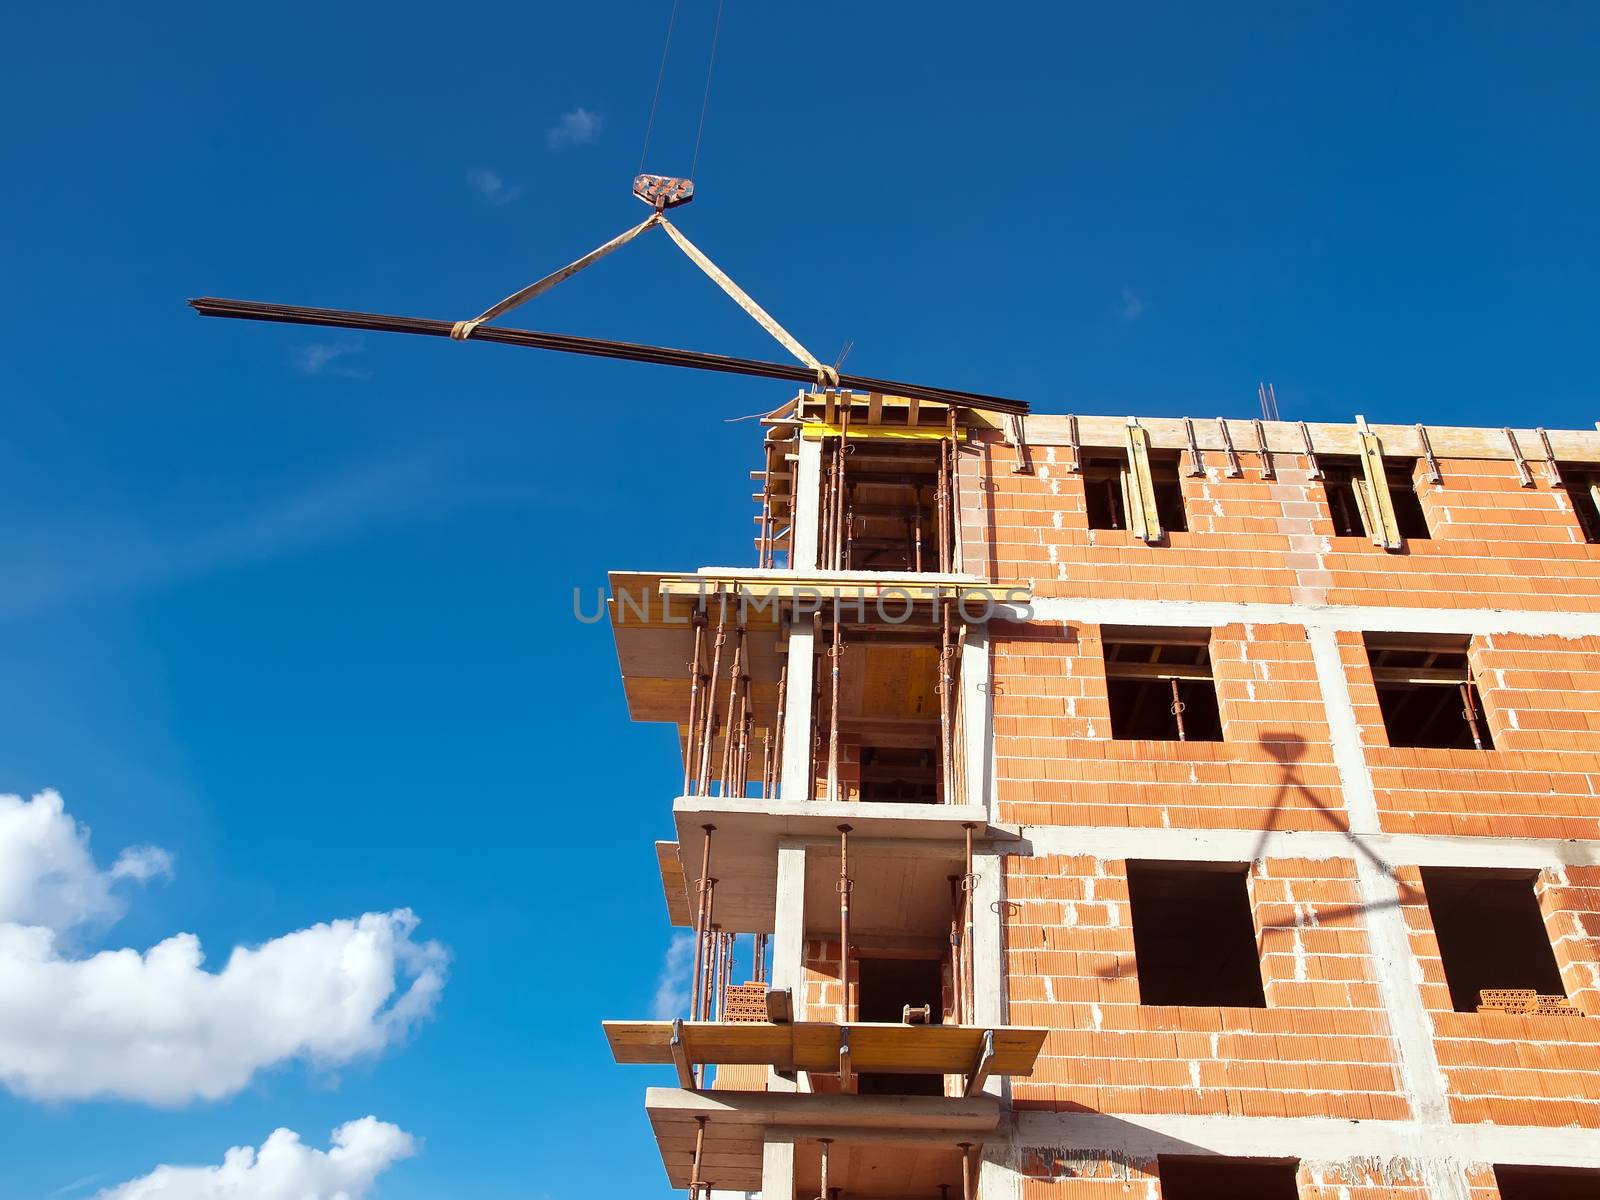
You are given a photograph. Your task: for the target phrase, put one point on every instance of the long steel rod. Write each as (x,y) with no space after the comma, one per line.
(699,1149)
(956,492)
(968,883)
(711,698)
(844,923)
(292,314)
(835,653)
(733,716)
(691,752)
(711,927)
(957,987)
(701,917)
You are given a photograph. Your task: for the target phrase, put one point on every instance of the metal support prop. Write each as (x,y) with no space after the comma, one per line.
(1196,466)
(1261,449)
(733,715)
(709,732)
(1177,711)
(696,678)
(1427,452)
(1312,470)
(1550,459)
(824,1143)
(835,653)
(941,498)
(702,918)
(724,965)
(839,497)
(764,551)
(760,956)
(969,883)
(946,685)
(966,1170)
(699,1151)
(844,923)
(1469,714)
(824,538)
(955,488)
(957,983)
(1076,464)
(1234,469)
(1525,475)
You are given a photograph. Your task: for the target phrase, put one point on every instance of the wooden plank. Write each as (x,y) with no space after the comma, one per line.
(1384,529)
(1143,519)
(680,1056)
(674,885)
(1284,437)
(816,1046)
(979,1075)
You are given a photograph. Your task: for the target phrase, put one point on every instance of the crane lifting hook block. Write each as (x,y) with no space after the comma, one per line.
(662,192)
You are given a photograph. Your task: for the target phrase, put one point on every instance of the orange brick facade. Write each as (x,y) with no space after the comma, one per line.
(1325,1045)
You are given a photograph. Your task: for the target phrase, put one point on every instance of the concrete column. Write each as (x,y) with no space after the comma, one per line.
(789,938)
(977,724)
(1397,970)
(777,1170)
(988,968)
(794,775)
(807,505)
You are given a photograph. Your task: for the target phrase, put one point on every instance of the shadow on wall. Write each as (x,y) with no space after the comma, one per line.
(1289,748)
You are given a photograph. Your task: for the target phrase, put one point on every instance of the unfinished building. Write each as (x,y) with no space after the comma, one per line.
(1082,807)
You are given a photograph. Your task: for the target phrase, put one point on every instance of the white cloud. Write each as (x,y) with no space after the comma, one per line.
(580,127)
(283,1168)
(674,982)
(155,1026)
(491,188)
(323,358)
(47,876)
(1133,306)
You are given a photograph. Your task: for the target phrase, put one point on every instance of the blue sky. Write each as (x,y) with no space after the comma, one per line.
(296,606)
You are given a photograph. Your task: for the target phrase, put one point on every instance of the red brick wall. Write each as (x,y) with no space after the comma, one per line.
(1057,763)
(1495,544)
(1541,696)
(1320,1048)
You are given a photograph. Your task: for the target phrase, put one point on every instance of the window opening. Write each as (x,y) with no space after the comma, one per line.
(1194,938)
(1546,1183)
(1344,483)
(1582,485)
(1160,686)
(1227,1179)
(1426,692)
(1491,934)
(886,988)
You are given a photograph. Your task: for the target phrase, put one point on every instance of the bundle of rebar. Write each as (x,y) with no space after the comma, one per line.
(253,310)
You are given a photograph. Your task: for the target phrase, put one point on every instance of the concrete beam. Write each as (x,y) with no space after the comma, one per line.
(807,506)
